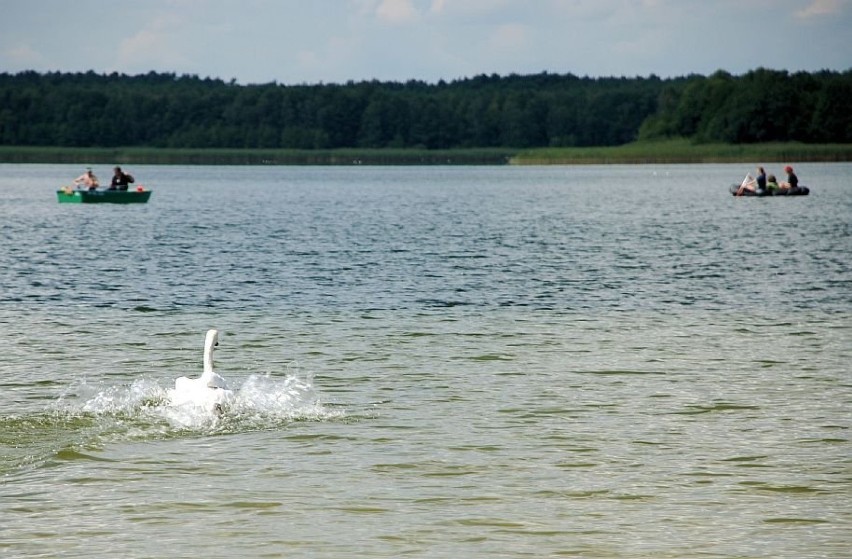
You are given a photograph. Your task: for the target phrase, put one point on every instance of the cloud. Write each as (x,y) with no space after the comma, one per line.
(591,9)
(473,8)
(152,46)
(510,36)
(337,53)
(820,8)
(308,58)
(23,56)
(293,41)
(397,12)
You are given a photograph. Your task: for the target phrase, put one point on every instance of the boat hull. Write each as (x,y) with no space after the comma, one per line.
(798,191)
(102,196)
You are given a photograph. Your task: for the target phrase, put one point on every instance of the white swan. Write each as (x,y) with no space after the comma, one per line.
(209,391)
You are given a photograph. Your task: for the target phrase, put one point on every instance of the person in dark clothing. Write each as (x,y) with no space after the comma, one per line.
(761,179)
(751,184)
(120,180)
(792,179)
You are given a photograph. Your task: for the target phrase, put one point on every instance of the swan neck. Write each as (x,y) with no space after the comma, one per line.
(208,358)
(210,342)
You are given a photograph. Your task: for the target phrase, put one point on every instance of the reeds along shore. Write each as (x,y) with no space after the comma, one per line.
(683,151)
(672,151)
(217,156)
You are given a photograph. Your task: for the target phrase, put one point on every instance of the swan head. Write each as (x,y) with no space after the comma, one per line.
(212,338)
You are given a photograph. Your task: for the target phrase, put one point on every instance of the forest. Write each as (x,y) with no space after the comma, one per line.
(164,110)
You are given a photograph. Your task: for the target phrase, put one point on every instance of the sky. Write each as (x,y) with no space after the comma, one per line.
(334,41)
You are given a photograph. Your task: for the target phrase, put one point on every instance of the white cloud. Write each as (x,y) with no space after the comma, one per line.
(152,46)
(307,58)
(336,55)
(294,41)
(397,11)
(819,8)
(471,8)
(591,9)
(23,56)
(510,36)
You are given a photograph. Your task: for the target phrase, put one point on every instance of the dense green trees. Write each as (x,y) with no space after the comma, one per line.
(761,106)
(166,110)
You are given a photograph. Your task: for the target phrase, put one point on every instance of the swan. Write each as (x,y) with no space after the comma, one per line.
(209,391)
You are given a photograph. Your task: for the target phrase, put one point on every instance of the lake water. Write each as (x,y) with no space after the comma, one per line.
(478,362)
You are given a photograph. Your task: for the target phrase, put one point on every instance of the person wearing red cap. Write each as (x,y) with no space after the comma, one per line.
(792,179)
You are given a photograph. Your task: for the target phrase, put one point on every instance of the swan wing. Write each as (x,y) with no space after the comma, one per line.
(214,380)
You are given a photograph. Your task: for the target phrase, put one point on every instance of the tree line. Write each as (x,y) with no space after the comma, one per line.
(541,110)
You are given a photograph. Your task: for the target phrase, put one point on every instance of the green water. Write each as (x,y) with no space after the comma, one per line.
(431,362)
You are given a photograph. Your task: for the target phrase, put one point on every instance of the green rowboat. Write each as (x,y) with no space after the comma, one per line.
(69,196)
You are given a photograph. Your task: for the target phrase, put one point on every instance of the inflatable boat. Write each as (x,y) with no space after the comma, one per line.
(798,191)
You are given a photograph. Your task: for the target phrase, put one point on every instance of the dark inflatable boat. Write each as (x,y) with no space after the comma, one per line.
(798,191)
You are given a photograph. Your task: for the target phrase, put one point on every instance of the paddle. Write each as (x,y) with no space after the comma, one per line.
(748,180)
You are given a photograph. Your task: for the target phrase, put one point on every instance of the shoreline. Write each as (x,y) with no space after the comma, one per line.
(664,152)
(678,151)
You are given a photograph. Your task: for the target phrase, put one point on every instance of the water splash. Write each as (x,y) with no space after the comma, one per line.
(262,402)
(89,415)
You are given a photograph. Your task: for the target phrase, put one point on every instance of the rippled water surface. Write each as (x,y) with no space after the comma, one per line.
(606,361)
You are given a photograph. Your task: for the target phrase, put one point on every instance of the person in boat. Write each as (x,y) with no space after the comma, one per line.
(88,180)
(753,184)
(120,179)
(761,179)
(748,184)
(771,184)
(792,180)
